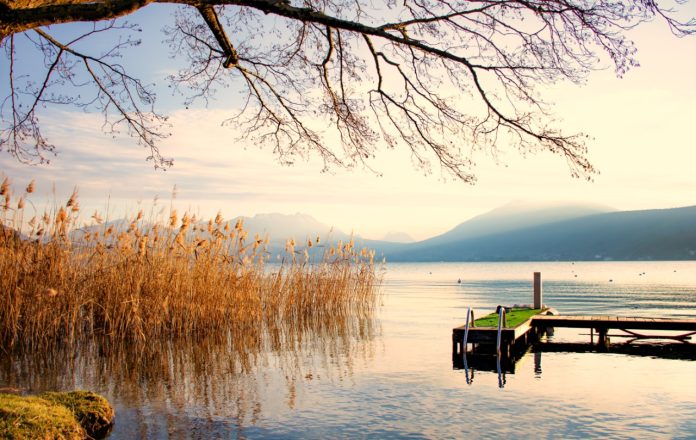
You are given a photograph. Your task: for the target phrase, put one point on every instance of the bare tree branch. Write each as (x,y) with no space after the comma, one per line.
(338,78)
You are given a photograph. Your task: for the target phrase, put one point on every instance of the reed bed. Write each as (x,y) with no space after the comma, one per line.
(152,278)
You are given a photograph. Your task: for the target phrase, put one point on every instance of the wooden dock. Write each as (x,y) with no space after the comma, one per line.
(530,330)
(522,334)
(629,325)
(615,322)
(508,340)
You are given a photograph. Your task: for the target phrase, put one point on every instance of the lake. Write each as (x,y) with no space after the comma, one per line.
(391,375)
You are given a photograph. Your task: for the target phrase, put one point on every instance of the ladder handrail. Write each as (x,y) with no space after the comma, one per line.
(469,314)
(501,320)
(469,322)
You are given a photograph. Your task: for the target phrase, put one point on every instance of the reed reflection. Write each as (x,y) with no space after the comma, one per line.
(216,383)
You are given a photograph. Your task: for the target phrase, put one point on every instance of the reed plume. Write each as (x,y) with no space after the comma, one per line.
(139,282)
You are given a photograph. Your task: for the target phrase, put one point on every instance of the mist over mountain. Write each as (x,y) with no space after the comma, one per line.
(518,215)
(510,217)
(397,237)
(660,234)
(281,227)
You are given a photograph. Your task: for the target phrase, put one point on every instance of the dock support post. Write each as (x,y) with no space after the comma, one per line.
(538,299)
(602,338)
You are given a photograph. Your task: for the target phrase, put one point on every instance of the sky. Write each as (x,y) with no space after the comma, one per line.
(642,143)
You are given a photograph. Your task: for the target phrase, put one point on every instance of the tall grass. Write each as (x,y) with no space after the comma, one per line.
(146,280)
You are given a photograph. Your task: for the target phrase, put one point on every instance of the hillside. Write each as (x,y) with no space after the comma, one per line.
(510,217)
(514,232)
(664,234)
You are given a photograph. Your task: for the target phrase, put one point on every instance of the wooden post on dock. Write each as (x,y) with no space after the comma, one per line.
(538,299)
(602,339)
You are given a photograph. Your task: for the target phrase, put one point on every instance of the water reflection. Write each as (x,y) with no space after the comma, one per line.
(478,361)
(214,385)
(392,377)
(537,364)
(481,361)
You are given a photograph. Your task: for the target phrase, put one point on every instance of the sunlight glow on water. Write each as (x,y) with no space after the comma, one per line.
(398,381)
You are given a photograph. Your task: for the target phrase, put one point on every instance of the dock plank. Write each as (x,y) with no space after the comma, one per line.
(615,322)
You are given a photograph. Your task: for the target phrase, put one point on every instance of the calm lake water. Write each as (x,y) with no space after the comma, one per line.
(392,376)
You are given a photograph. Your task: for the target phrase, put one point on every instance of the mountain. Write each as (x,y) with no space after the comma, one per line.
(514,232)
(397,237)
(660,234)
(510,217)
(513,216)
(281,227)
(278,227)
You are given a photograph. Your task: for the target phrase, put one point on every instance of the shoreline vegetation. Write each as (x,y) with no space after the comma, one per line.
(65,282)
(164,290)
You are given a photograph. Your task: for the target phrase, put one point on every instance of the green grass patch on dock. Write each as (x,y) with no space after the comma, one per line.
(513,317)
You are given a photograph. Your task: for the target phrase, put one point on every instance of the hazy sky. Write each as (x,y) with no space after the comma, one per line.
(644,146)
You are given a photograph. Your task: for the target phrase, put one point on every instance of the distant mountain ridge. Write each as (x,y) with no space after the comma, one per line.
(281,227)
(514,232)
(660,234)
(397,237)
(514,216)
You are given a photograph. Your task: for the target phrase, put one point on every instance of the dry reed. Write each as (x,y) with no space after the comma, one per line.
(146,280)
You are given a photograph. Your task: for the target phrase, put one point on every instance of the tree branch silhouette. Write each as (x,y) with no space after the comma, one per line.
(337,78)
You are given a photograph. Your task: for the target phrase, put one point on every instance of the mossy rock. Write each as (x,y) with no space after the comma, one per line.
(70,415)
(91,410)
(36,418)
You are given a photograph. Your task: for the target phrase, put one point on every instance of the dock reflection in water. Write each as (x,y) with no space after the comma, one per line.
(502,365)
